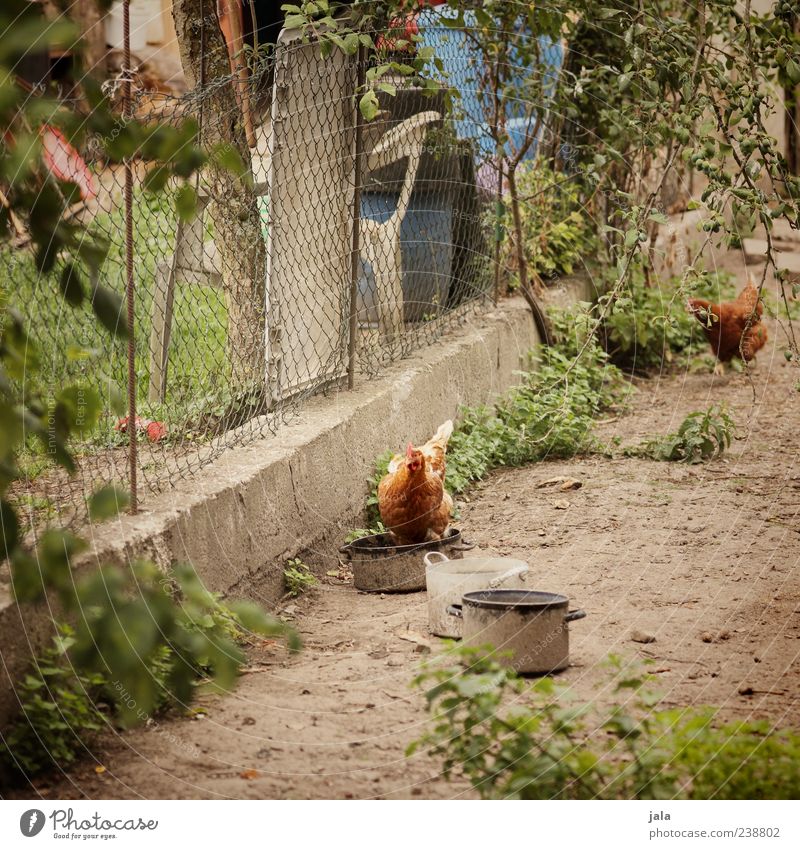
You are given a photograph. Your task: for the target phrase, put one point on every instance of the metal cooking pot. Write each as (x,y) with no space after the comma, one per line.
(532,625)
(381,566)
(448,580)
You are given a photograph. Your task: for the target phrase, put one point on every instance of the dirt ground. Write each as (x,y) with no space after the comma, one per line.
(703,558)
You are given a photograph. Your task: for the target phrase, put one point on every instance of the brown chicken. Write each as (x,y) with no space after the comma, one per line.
(412,500)
(733,328)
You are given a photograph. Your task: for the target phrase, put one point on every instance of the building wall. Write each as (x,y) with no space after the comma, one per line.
(153,38)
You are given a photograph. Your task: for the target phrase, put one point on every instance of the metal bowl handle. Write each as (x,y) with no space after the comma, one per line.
(455,610)
(575,614)
(440,555)
(516,571)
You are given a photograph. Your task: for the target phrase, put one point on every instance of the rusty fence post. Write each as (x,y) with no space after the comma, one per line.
(356,243)
(129,279)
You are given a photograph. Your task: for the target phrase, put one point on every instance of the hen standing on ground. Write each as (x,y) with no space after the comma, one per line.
(412,500)
(733,328)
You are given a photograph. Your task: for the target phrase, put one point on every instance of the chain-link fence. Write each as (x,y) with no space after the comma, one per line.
(353,244)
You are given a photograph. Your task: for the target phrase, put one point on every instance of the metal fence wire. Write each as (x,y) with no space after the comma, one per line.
(256,303)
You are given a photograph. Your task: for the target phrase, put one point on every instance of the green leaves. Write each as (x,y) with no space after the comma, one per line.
(20,354)
(514,740)
(107,502)
(9,530)
(109,308)
(48,569)
(702,436)
(58,713)
(369,105)
(298,578)
(71,285)
(77,408)
(186,202)
(143,638)
(226,156)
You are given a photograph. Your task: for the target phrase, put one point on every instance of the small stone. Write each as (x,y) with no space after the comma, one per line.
(561,504)
(707,637)
(746,690)
(642,637)
(248,720)
(395,661)
(542,532)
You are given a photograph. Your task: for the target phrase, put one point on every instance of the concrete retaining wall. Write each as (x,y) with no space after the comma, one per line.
(238,520)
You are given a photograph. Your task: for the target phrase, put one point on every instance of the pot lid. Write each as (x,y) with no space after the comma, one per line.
(514,599)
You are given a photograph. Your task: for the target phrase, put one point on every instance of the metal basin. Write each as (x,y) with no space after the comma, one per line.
(381,566)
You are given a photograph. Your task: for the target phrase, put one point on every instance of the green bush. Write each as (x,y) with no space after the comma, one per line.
(516,740)
(557,230)
(701,437)
(644,327)
(61,705)
(549,414)
(58,715)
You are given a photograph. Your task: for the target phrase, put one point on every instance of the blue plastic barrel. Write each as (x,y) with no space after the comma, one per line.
(426,245)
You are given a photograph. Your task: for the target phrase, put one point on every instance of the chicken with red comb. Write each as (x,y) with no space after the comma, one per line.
(412,500)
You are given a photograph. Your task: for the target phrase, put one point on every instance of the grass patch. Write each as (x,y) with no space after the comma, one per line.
(198,365)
